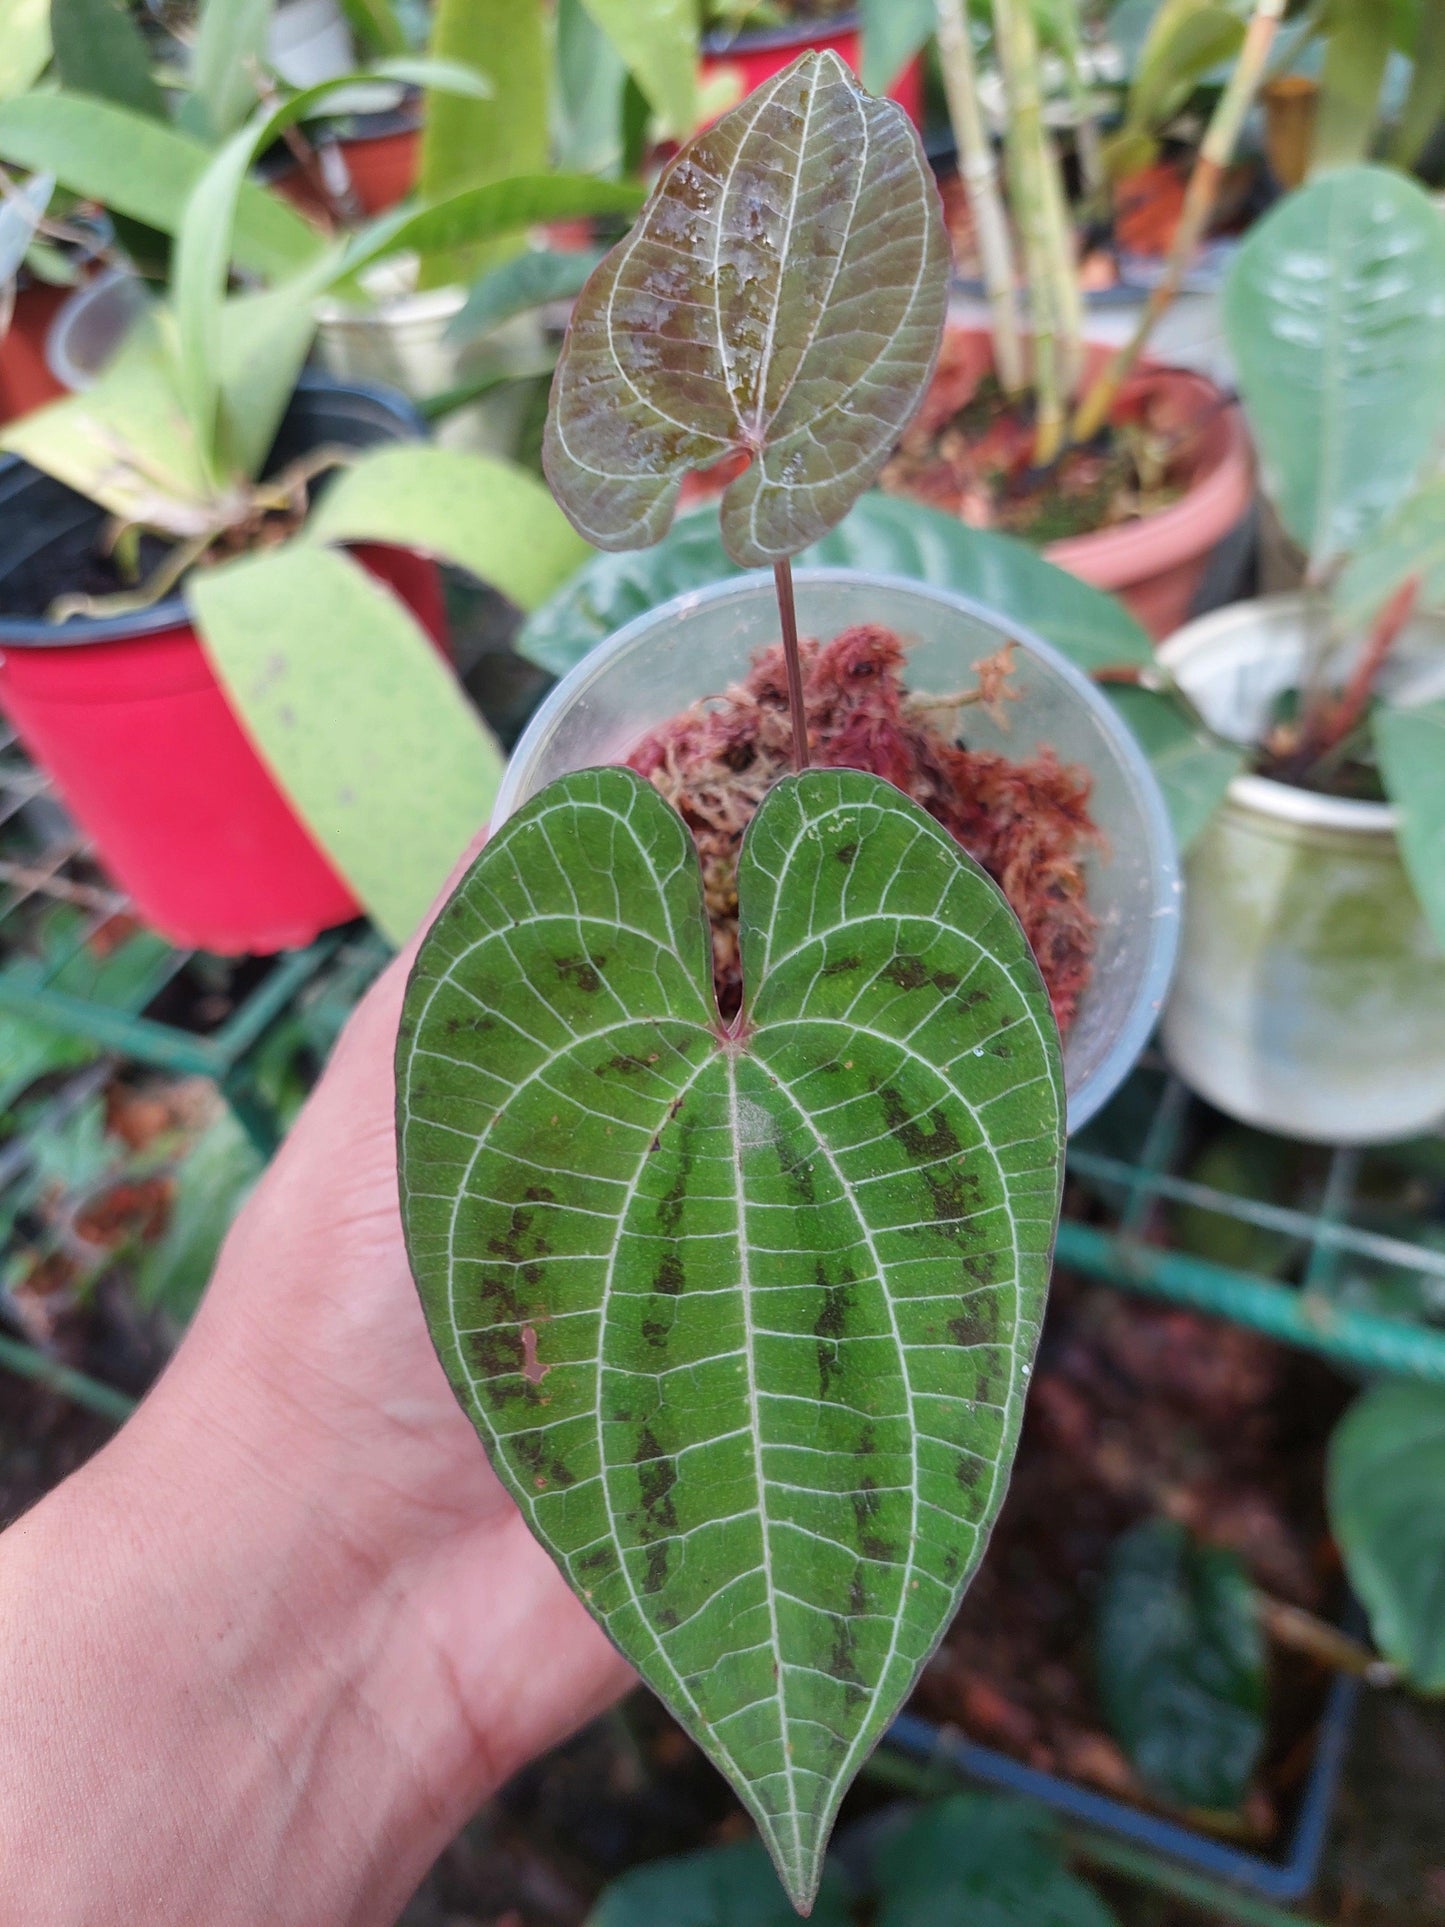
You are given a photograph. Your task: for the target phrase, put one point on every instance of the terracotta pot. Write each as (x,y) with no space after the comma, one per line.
(26,382)
(382,165)
(756,54)
(1157,564)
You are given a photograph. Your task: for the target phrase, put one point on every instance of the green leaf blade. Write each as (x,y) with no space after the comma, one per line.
(99,50)
(1386,1487)
(783,295)
(1333,311)
(745,1320)
(1410,744)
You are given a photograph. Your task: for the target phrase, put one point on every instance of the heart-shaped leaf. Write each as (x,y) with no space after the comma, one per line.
(1182,1665)
(744,1317)
(782,295)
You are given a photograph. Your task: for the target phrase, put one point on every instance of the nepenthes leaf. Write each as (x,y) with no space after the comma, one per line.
(745,1317)
(782,295)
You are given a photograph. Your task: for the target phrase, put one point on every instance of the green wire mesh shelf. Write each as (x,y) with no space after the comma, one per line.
(77,962)
(1339,1251)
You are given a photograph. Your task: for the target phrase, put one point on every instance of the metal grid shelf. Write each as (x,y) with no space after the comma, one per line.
(1339,1251)
(176,1010)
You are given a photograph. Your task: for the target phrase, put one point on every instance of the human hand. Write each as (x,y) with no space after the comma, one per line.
(313,1633)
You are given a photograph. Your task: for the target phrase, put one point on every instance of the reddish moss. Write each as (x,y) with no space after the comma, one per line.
(1026,822)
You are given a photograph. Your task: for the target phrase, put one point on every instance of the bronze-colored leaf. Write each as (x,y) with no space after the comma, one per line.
(782,296)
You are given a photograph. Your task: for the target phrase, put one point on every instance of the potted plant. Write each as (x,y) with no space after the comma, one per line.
(1312,978)
(485,135)
(747,42)
(677,1253)
(1130,472)
(190,735)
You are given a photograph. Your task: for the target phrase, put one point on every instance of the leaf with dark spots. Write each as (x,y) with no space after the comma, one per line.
(739,1268)
(782,297)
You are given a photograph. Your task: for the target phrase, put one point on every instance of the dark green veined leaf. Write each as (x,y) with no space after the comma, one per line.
(782,294)
(1181,1661)
(99,50)
(1387,1511)
(729,1887)
(745,1320)
(526,281)
(985,1861)
(882,532)
(1410,744)
(1335,315)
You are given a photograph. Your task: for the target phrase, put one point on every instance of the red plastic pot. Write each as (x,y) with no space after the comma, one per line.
(26,382)
(129,721)
(381,161)
(755,55)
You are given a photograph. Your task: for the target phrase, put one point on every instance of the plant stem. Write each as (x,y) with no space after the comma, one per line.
(787,610)
(1327,723)
(1301,1632)
(1029,156)
(979,174)
(1215,154)
(1425,102)
(1357,49)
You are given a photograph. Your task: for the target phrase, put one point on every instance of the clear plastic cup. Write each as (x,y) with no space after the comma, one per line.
(699,643)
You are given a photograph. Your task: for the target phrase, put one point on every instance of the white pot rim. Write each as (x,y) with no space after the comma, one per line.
(1257,628)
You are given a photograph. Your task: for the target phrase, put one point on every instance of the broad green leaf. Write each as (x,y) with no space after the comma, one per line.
(526,281)
(356,715)
(726,1887)
(783,295)
(1387,1512)
(481,514)
(479,214)
(24,45)
(1187,40)
(100,50)
(263,345)
(1181,1661)
(883,533)
(893,32)
(1357,48)
(227,60)
(212,1184)
(983,1861)
(1410,744)
(1411,543)
(1335,316)
(590,79)
(127,443)
(658,39)
(744,1317)
(1193,769)
(136,166)
(468,143)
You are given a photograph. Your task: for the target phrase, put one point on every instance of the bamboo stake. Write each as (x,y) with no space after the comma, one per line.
(1204,183)
(1018,56)
(979,174)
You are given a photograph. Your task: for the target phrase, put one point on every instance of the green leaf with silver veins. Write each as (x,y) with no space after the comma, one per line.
(782,295)
(744,1315)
